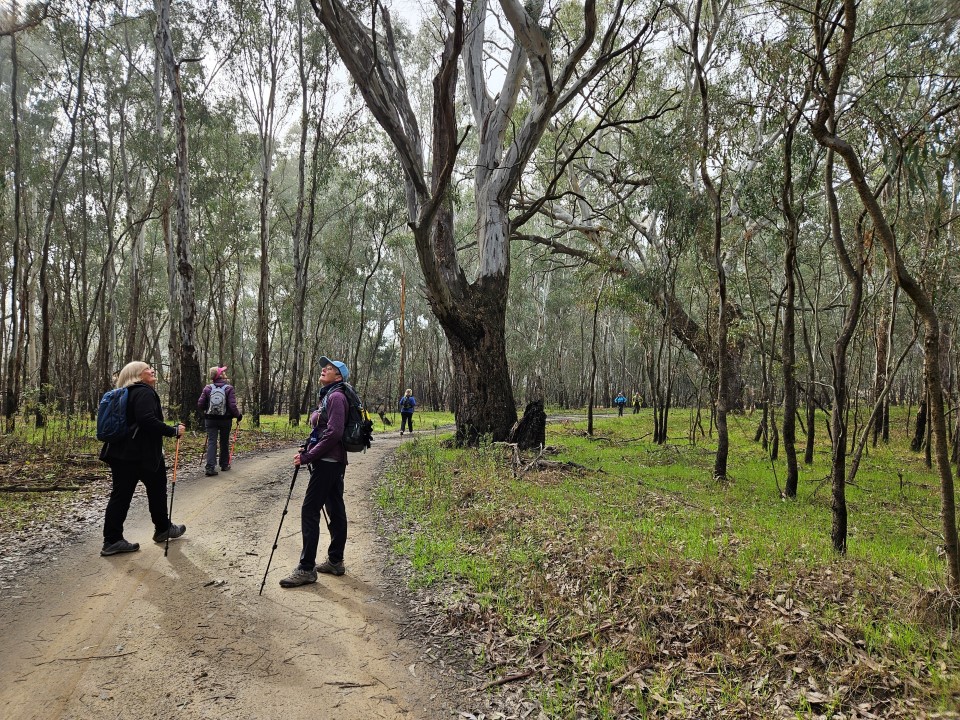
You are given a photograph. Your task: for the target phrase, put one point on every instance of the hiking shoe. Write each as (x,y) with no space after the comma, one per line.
(331,568)
(171,533)
(225,468)
(120,546)
(299,576)
(211,471)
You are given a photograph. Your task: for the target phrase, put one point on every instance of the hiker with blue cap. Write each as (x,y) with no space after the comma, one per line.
(327,458)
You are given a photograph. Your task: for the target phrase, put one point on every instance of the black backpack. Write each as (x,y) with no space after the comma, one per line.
(358,428)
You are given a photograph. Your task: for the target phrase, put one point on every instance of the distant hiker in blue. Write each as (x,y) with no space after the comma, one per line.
(139,458)
(621,402)
(407,404)
(218,403)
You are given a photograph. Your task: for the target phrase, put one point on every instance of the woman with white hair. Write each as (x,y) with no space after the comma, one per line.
(139,458)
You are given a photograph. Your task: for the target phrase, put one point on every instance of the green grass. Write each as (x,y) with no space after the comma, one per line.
(646,528)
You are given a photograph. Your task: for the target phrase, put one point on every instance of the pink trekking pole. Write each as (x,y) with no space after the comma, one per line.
(234,443)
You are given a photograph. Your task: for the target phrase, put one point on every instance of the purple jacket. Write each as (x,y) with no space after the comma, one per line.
(330,419)
(232,411)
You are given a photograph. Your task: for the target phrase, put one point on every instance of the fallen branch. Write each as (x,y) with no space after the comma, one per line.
(508,679)
(556,465)
(520,467)
(626,676)
(591,631)
(533,462)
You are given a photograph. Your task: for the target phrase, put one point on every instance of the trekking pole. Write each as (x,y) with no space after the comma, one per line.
(277,539)
(173,489)
(323,509)
(234,444)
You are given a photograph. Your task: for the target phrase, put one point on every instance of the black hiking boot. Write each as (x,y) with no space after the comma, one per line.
(120,546)
(210,471)
(172,532)
(331,568)
(298,577)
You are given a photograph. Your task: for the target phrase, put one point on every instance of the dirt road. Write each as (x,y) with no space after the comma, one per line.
(187,636)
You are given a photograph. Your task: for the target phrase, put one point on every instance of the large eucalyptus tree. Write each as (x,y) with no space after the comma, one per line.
(188,383)
(551,61)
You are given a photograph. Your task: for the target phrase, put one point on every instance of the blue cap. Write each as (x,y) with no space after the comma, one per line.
(341,366)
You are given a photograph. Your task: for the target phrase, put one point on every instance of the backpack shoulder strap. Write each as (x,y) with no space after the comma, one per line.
(350,394)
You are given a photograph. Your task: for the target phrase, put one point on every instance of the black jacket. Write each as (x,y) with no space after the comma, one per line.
(145,447)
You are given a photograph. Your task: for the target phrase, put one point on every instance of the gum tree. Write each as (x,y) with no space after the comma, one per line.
(835,43)
(550,59)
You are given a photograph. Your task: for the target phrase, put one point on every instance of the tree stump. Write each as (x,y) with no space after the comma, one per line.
(530,431)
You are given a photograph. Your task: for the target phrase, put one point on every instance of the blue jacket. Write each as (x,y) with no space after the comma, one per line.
(411,404)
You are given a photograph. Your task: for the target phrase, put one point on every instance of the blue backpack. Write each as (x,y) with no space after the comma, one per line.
(112,416)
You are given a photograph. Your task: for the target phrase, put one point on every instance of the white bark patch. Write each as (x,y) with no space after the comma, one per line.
(492,237)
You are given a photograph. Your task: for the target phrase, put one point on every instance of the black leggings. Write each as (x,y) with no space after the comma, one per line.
(406,421)
(125,478)
(325,489)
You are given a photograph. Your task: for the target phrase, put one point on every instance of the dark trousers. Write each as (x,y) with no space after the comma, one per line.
(619,409)
(325,489)
(218,429)
(125,478)
(406,421)
(636,408)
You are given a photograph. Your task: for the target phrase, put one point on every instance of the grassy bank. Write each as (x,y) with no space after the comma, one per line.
(636,586)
